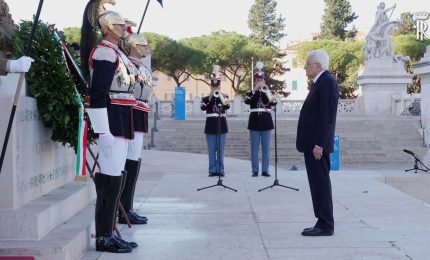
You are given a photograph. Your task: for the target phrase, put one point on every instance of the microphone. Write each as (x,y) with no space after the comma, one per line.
(409,152)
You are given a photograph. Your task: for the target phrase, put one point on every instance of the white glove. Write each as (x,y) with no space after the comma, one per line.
(20,65)
(105,143)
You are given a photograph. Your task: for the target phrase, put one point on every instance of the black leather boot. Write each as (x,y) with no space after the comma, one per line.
(119,212)
(107,189)
(131,167)
(134,187)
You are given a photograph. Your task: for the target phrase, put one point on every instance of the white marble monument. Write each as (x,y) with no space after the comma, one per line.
(384,77)
(422,68)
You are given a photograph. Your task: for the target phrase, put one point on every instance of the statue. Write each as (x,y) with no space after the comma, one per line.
(378,43)
(7,27)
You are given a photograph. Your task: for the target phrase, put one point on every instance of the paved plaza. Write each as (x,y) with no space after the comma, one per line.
(373,220)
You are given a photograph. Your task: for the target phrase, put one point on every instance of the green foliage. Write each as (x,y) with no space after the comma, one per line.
(337,15)
(408,24)
(266,27)
(170,57)
(234,53)
(73,34)
(49,82)
(345,60)
(409,45)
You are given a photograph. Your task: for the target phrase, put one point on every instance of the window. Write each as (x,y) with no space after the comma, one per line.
(294,85)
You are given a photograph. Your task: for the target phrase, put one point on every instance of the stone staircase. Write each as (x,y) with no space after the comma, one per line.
(363,139)
(54,226)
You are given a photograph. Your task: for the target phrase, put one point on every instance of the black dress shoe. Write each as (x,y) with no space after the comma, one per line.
(133,219)
(130,244)
(307,229)
(212,174)
(254,174)
(265,174)
(221,174)
(112,245)
(138,216)
(315,231)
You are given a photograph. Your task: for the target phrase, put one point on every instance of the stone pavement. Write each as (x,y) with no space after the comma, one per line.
(373,220)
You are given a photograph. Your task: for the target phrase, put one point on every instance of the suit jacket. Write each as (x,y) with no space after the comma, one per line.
(317,119)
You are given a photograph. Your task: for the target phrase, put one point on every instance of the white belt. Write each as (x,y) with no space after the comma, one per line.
(215,115)
(261,110)
(121,95)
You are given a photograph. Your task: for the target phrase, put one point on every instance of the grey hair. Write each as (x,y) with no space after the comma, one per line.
(321,57)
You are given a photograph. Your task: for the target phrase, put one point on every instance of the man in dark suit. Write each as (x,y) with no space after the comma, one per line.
(315,137)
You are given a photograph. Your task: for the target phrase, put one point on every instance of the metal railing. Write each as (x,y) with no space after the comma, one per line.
(345,106)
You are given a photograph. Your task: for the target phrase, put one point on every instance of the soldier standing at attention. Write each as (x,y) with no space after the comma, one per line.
(110,112)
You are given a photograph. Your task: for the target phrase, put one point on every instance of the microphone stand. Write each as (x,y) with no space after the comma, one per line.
(416,167)
(276,182)
(219,183)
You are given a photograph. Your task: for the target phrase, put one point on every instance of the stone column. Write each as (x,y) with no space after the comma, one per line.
(381,82)
(422,68)
(196,106)
(237,105)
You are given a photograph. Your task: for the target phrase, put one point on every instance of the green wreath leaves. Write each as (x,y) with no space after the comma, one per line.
(50,83)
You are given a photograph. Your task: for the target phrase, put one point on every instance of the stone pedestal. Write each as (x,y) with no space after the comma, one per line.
(382,81)
(38,194)
(34,165)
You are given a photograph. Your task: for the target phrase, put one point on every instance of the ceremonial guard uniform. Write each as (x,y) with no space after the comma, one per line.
(260,122)
(110,111)
(136,47)
(216,128)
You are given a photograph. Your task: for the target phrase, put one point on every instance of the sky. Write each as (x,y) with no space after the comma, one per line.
(188,18)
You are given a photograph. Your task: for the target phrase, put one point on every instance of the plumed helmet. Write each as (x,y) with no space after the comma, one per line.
(215,79)
(259,74)
(131,42)
(107,21)
(129,24)
(94,10)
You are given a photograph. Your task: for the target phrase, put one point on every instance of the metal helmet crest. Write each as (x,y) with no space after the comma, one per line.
(107,21)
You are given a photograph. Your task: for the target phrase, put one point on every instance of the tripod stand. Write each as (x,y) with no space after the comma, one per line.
(416,167)
(218,139)
(276,182)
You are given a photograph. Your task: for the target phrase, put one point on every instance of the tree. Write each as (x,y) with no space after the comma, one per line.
(170,57)
(408,24)
(345,60)
(267,28)
(234,53)
(337,15)
(73,34)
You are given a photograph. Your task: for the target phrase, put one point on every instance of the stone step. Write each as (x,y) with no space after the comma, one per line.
(29,222)
(362,138)
(69,241)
